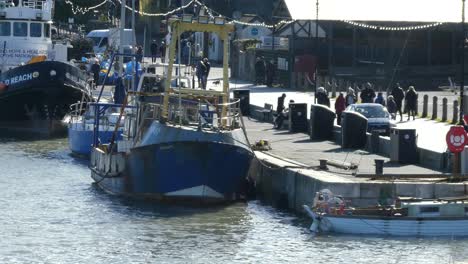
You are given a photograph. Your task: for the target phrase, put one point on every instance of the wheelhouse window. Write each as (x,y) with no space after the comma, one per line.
(20,29)
(5,29)
(47,30)
(429,209)
(35,30)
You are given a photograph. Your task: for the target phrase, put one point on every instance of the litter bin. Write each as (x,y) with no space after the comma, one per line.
(322,119)
(403,145)
(353,130)
(244,96)
(298,117)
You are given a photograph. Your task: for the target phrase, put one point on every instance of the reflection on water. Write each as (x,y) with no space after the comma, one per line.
(52,213)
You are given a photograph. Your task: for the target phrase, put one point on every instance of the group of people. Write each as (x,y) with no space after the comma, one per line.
(264,71)
(154,48)
(394,102)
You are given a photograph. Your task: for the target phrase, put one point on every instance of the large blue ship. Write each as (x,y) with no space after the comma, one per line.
(178,143)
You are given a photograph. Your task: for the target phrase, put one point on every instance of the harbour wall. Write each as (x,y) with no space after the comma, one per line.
(289,185)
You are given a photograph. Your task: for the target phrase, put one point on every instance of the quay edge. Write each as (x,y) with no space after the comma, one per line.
(286,185)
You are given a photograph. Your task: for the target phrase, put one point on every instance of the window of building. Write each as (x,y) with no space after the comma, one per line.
(5,29)
(35,30)
(20,29)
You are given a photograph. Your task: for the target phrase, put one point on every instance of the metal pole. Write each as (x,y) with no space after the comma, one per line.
(133,25)
(462,64)
(122,27)
(316,52)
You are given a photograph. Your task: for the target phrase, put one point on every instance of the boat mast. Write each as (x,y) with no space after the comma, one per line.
(122,30)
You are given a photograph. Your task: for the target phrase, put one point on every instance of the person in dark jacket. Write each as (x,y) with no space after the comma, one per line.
(392,106)
(95,69)
(206,72)
(259,71)
(322,97)
(411,99)
(154,51)
(398,94)
(139,54)
(270,72)
(367,94)
(279,112)
(380,99)
(340,106)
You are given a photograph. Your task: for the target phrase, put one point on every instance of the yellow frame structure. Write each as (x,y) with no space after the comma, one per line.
(177,28)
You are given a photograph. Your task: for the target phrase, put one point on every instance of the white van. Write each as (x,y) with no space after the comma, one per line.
(104,38)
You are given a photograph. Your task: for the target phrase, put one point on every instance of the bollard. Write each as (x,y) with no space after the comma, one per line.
(323,164)
(425,103)
(444,109)
(455,112)
(379,166)
(434,108)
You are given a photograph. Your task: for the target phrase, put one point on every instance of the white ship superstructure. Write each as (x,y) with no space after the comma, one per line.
(25,32)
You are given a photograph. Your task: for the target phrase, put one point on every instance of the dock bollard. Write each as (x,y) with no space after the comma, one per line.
(323,164)
(379,166)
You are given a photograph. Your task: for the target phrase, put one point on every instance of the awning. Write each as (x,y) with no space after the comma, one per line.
(379,10)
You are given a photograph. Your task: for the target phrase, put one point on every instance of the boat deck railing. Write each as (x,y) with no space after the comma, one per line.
(195,111)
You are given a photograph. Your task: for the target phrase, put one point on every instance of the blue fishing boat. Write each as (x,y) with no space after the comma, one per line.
(100,121)
(178,143)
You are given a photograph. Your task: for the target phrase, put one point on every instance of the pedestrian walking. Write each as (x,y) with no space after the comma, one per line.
(380,99)
(392,107)
(259,71)
(367,94)
(278,122)
(154,51)
(350,97)
(322,97)
(411,99)
(270,72)
(340,106)
(398,94)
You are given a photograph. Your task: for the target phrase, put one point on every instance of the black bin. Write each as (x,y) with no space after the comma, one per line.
(322,119)
(244,96)
(403,145)
(298,118)
(353,130)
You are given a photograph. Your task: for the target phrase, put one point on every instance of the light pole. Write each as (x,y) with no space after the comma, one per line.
(316,51)
(462,65)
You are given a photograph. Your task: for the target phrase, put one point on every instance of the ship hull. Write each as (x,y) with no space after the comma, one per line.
(34,98)
(203,171)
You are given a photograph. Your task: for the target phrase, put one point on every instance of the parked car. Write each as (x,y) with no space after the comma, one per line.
(378,118)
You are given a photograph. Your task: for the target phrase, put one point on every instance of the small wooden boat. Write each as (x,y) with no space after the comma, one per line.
(408,217)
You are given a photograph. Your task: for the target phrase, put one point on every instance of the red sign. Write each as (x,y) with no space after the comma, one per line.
(456,139)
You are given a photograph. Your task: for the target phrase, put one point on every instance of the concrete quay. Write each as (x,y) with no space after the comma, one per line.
(289,174)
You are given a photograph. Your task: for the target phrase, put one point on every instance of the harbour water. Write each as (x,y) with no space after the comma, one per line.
(52,213)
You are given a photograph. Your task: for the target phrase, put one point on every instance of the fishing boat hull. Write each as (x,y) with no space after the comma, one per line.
(35,97)
(189,170)
(80,137)
(394,226)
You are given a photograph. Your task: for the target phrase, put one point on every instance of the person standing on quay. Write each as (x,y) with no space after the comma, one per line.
(270,72)
(206,72)
(411,102)
(259,71)
(392,106)
(380,99)
(154,51)
(162,50)
(322,97)
(367,94)
(340,106)
(398,94)
(350,97)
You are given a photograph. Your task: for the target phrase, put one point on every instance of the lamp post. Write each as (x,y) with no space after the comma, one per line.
(462,64)
(316,51)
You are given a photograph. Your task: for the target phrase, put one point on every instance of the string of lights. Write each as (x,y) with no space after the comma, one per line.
(83,10)
(393,28)
(143,13)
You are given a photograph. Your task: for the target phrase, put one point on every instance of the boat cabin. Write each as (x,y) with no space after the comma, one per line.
(436,208)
